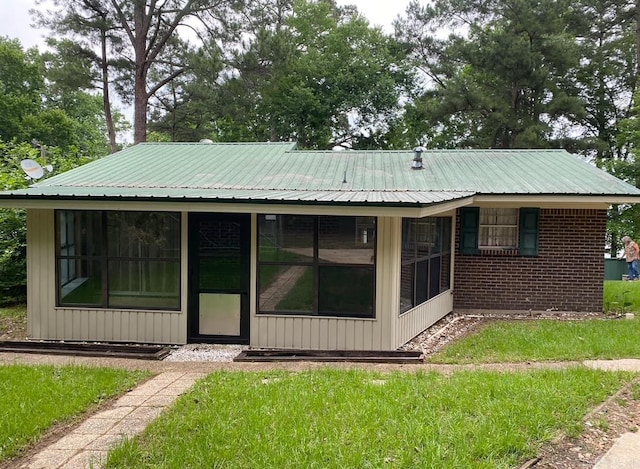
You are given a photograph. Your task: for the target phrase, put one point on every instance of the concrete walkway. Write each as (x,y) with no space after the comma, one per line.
(87,445)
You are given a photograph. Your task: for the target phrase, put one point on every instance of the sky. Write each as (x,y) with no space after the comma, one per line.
(15,20)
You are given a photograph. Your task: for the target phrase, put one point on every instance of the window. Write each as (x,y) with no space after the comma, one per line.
(118,259)
(316,265)
(426,260)
(498,229)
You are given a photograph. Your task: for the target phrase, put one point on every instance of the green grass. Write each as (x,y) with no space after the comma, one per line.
(33,398)
(519,341)
(357,419)
(14,312)
(621,297)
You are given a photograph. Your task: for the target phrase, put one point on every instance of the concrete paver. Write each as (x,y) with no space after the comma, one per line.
(624,454)
(87,444)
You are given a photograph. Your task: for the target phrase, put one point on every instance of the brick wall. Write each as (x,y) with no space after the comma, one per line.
(567,274)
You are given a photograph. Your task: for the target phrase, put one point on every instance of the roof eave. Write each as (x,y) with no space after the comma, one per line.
(360,208)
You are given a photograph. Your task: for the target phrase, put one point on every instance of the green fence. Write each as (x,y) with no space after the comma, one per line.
(614,269)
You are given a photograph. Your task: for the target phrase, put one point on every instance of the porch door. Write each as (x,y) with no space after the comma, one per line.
(219,270)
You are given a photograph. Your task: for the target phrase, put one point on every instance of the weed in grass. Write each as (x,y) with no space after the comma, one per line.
(622,402)
(348,419)
(601,424)
(621,297)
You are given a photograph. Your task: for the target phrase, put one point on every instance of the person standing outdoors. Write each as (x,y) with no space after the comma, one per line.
(631,254)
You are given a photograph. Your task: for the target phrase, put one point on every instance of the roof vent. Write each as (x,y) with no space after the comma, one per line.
(206,140)
(417,158)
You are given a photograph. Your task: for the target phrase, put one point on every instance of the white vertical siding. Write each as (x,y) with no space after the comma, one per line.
(46,321)
(414,321)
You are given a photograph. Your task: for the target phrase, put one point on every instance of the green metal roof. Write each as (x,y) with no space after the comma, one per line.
(278,172)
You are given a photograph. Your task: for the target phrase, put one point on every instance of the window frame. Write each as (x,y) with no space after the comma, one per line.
(103,258)
(316,264)
(527,239)
(440,227)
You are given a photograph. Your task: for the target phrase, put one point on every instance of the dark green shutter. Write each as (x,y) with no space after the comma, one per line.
(529,221)
(469,219)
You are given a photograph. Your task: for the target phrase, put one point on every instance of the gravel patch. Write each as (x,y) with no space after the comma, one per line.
(205,353)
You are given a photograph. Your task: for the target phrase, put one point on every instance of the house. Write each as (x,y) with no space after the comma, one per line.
(263,244)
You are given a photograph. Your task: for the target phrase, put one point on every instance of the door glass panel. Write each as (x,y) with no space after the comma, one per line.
(219,255)
(219,314)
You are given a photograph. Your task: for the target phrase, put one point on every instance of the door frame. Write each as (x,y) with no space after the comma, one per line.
(193,290)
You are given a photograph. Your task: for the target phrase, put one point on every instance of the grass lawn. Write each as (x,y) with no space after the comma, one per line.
(359,419)
(621,297)
(33,398)
(518,341)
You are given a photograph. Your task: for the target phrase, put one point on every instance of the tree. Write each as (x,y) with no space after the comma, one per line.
(137,34)
(93,48)
(310,72)
(502,79)
(21,86)
(606,78)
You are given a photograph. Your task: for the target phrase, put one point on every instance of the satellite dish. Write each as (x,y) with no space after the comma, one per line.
(32,169)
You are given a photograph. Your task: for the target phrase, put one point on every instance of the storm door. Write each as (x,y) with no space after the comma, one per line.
(219,270)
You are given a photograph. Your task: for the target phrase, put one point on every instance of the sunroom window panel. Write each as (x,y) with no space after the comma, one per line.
(143,234)
(346,291)
(286,238)
(85,288)
(346,240)
(140,268)
(150,284)
(316,265)
(286,289)
(425,260)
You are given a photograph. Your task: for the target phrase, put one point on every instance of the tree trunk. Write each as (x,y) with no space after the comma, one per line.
(637,19)
(111,131)
(140,80)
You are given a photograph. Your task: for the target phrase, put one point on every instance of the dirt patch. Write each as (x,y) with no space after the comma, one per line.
(602,427)
(13,328)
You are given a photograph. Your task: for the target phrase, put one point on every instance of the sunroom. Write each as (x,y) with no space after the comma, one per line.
(177,243)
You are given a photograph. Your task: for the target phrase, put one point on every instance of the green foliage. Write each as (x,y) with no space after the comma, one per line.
(349,419)
(310,72)
(35,398)
(13,271)
(504,83)
(21,88)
